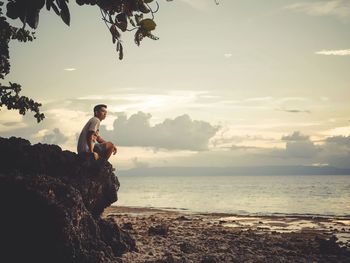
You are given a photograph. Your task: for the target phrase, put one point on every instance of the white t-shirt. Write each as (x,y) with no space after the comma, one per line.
(92,125)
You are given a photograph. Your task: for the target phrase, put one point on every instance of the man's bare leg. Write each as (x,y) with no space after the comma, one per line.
(108,150)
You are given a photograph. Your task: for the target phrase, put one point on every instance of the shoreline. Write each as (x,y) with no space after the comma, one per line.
(181,236)
(139,209)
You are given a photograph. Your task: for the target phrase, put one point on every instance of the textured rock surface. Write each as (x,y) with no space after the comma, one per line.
(51,202)
(201,238)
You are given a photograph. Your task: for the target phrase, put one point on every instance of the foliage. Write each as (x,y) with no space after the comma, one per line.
(9,95)
(118,15)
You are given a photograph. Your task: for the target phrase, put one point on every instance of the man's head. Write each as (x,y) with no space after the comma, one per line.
(100,111)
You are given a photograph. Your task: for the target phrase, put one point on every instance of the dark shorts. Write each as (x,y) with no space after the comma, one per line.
(100,148)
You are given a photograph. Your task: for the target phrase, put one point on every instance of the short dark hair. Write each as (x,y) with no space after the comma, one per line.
(98,107)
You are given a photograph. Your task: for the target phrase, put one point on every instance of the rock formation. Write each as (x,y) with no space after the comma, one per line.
(51,204)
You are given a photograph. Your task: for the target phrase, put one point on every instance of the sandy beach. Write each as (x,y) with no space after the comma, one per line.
(173,236)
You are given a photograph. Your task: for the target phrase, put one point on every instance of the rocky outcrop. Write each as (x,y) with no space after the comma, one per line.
(51,204)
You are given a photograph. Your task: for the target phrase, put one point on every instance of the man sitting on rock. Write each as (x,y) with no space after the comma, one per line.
(89,139)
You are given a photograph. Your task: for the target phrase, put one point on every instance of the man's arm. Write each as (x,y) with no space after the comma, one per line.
(90,141)
(100,140)
(91,137)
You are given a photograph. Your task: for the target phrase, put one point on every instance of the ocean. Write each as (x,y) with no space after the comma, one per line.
(321,195)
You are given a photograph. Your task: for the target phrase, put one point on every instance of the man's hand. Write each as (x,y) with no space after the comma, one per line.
(114,149)
(96,156)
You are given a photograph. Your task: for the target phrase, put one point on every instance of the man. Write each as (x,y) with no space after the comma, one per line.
(90,134)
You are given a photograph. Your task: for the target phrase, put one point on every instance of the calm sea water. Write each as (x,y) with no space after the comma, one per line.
(316,195)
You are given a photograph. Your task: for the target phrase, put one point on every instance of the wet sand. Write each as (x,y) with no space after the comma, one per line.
(173,236)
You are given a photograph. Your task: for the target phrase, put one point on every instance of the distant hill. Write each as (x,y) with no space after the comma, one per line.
(251,170)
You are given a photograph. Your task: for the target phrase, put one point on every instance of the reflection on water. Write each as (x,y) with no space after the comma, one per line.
(337,227)
(260,195)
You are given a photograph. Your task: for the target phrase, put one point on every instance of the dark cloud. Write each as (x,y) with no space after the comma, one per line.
(336,151)
(301,149)
(339,140)
(238,147)
(221,140)
(181,133)
(298,146)
(295,111)
(295,136)
(55,137)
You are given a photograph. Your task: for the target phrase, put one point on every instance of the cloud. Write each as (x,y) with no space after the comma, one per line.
(10,119)
(344,131)
(227,55)
(336,151)
(146,101)
(138,164)
(301,149)
(339,140)
(198,4)
(292,104)
(260,99)
(58,115)
(298,147)
(295,111)
(181,133)
(341,52)
(338,8)
(70,69)
(295,136)
(165,141)
(54,137)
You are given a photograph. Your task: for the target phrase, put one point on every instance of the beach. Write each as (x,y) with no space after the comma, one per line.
(178,236)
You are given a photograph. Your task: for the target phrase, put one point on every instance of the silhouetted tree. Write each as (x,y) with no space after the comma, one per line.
(118,15)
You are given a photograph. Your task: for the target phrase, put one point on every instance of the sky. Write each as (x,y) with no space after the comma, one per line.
(241,83)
